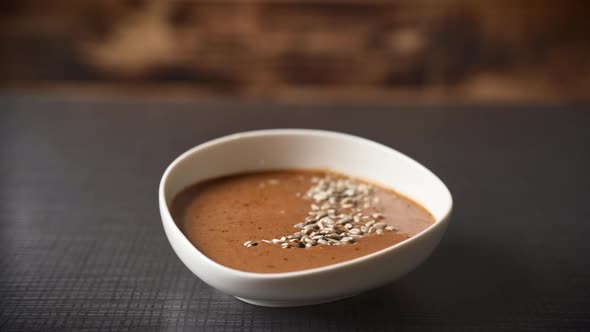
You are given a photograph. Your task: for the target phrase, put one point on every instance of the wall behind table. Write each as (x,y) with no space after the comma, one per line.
(312,50)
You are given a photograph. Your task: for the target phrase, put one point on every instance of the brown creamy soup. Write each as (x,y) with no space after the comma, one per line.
(228,218)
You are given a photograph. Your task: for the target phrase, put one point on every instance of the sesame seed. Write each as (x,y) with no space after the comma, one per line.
(321,214)
(310,240)
(250,244)
(310,226)
(347,239)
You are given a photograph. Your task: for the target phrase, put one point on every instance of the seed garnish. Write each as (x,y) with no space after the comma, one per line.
(342,212)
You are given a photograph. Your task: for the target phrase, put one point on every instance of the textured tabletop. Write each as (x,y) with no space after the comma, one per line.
(82,246)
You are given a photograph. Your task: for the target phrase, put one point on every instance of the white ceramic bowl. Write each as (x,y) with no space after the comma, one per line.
(299,148)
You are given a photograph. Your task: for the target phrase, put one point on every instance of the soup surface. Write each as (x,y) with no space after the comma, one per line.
(290,220)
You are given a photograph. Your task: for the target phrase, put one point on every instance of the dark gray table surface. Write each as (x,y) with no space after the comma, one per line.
(82,246)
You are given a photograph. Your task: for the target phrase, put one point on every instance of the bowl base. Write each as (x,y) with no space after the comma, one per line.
(295,303)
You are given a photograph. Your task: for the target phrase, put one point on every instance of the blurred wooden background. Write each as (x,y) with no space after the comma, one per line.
(307,50)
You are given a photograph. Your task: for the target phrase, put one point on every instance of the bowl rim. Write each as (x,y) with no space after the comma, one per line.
(302,132)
